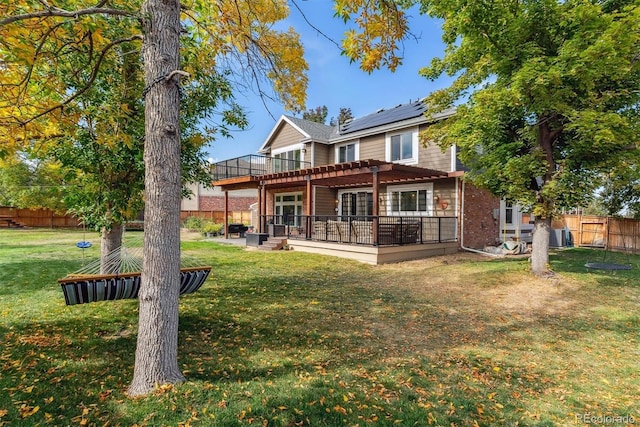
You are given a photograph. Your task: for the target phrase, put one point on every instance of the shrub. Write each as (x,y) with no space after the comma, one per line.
(212,227)
(193,223)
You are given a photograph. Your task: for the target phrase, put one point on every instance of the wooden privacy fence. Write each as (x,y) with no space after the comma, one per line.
(39,217)
(49,219)
(218,216)
(617,234)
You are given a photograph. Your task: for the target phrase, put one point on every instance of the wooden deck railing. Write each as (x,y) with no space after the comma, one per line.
(363,230)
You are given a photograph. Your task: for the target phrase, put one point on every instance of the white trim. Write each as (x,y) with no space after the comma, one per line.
(454,157)
(265,144)
(411,187)
(516,227)
(414,146)
(293,147)
(350,191)
(295,203)
(356,150)
(392,127)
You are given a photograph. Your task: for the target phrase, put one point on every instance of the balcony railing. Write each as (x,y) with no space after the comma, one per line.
(254,165)
(364,230)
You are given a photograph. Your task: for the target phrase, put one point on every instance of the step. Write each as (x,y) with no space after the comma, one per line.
(272,244)
(11,223)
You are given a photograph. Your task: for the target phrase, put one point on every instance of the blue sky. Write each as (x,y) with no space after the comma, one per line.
(335,82)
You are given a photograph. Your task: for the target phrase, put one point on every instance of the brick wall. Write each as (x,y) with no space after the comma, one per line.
(480,227)
(216,203)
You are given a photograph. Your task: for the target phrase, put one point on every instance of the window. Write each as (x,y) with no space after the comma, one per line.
(347,153)
(288,208)
(287,160)
(508,213)
(402,147)
(356,203)
(411,200)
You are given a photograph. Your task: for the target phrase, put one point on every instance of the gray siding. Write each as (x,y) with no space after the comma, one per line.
(286,136)
(372,147)
(432,157)
(322,154)
(325,202)
(444,190)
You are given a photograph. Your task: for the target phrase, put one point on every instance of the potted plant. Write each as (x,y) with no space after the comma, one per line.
(211,229)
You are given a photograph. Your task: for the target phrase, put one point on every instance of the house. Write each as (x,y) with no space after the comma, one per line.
(366,189)
(212,199)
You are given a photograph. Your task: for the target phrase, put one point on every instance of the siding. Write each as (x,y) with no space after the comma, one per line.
(432,157)
(372,147)
(285,136)
(322,155)
(325,202)
(445,191)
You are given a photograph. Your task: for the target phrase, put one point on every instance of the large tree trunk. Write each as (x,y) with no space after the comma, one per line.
(157,347)
(111,240)
(540,247)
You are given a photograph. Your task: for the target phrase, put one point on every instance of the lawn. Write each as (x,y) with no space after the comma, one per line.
(293,339)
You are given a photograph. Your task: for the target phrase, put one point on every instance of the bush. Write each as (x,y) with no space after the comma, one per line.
(212,227)
(193,223)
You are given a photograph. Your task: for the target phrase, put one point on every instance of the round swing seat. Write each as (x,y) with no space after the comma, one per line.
(609,266)
(84,244)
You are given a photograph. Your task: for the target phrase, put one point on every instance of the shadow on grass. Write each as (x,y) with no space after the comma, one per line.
(574,260)
(323,343)
(34,275)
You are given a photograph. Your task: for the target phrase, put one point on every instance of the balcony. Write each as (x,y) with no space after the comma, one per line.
(254,165)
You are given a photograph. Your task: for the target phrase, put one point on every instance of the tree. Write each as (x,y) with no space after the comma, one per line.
(550,92)
(620,190)
(29,182)
(43,45)
(344,116)
(555,107)
(318,114)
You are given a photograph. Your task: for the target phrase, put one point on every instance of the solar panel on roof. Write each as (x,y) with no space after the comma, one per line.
(383,117)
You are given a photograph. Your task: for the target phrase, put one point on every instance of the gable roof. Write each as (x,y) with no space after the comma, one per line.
(314,130)
(309,130)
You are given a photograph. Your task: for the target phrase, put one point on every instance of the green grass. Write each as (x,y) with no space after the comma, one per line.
(287,339)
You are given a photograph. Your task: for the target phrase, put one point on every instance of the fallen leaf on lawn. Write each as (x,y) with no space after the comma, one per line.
(27,411)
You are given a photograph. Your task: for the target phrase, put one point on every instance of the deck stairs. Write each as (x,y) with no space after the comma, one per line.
(10,222)
(273,244)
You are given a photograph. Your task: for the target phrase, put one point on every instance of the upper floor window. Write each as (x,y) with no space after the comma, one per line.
(402,147)
(287,160)
(347,153)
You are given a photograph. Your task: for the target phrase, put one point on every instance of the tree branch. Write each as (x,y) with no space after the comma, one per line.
(314,27)
(94,74)
(52,11)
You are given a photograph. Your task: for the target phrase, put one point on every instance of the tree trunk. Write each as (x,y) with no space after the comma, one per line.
(110,241)
(542,230)
(156,359)
(540,247)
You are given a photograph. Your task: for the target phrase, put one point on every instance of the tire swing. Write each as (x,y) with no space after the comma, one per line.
(607,263)
(119,277)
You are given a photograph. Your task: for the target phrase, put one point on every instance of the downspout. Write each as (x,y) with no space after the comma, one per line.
(462,231)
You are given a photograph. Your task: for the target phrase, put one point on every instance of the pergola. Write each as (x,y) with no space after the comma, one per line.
(372,173)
